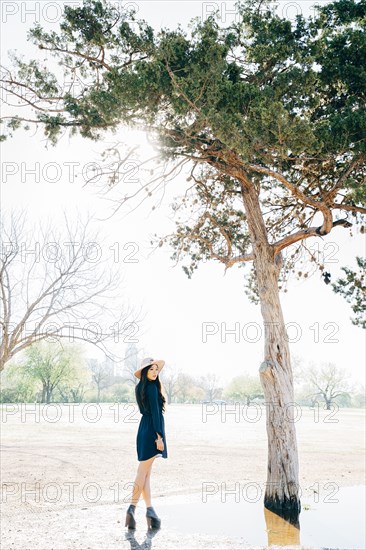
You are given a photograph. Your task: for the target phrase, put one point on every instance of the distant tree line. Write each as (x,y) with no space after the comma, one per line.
(52,372)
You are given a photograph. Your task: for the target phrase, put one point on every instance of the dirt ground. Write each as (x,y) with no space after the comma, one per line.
(67,470)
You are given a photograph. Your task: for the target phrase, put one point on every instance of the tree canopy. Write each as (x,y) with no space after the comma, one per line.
(353,289)
(265,100)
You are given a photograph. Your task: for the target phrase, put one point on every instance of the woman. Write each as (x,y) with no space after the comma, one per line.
(150,439)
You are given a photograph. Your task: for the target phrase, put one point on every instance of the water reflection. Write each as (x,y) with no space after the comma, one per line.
(146,544)
(280,531)
(329,523)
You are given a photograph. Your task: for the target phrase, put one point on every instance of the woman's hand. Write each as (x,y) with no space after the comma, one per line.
(160,444)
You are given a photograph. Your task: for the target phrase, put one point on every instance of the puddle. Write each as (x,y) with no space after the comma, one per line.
(326,524)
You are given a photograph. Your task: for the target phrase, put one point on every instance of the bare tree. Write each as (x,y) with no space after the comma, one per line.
(209,383)
(169,378)
(102,375)
(53,285)
(185,384)
(328,382)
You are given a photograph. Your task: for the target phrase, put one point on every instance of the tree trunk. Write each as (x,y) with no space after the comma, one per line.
(282,490)
(49,391)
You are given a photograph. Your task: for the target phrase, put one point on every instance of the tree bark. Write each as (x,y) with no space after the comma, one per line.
(282,490)
(49,391)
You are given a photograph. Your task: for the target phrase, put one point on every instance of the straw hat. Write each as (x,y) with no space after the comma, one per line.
(148,362)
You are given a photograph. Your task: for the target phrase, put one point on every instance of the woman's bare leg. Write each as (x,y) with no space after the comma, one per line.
(143,470)
(146,490)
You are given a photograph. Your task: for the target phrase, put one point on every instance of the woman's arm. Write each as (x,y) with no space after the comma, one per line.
(154,407)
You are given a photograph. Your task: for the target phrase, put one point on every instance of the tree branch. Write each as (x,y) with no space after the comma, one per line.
(332,192)
(304,234)
(295,191)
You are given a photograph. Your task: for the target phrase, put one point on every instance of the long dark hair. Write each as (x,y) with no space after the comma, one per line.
(140,390)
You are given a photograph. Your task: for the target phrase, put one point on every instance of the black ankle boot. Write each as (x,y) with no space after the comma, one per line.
(152,519)
(130,517)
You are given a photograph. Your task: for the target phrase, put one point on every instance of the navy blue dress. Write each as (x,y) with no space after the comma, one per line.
(152,422)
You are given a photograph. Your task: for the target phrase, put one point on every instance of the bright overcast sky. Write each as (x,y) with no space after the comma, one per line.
(175,307)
